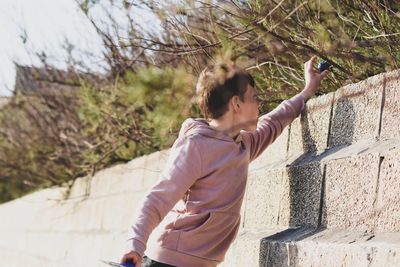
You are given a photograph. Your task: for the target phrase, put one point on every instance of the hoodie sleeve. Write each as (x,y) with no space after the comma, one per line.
(182,170)
(272,124)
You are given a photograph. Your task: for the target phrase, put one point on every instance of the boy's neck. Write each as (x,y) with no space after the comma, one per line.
(225,125)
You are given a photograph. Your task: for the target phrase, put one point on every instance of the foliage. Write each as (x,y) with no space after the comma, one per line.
(50,139)
(271,39)
(39,142)
(139,114)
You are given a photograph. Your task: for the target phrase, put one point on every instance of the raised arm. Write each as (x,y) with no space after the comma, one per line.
(271,125)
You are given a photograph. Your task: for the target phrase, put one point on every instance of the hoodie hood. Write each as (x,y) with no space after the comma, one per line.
(201,126)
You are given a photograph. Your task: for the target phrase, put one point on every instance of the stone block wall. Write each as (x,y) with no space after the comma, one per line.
(332,197)
(43,229)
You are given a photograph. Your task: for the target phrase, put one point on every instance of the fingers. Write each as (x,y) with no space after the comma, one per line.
(124,259)
(312,60)
(324,73)
(131,257)
(137,260)
(310,63)
(309,67)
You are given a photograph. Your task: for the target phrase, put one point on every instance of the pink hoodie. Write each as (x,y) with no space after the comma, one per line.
(205,177)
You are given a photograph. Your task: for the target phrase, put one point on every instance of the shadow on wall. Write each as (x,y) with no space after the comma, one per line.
(306,176)
(342,124)
(307,173)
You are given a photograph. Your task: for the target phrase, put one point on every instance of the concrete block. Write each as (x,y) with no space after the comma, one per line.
(17,258)
(155,164)
(245,251)
(309,132)
(113,245)
(82,252)
(275,153)
(279,250)
(82,215)
(35,244)
(118,179)
(85,216)
(331,248)
(100,184)
(118,210)
(391,107)
(301,195)
(10,214)
(31,212)
(263,197)
(284,197)
(131,179)
(47,248)
(80,188)
(12,240)
(350,192)
(387,205)
(61,216)
(356,112)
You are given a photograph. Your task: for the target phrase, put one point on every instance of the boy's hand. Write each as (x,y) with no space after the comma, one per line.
(132,256)
(313,78)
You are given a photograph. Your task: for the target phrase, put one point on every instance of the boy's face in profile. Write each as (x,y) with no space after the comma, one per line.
(249,110)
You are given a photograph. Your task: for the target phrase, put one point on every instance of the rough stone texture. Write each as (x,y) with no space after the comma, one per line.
(262,205)
(391,107)
(356,112)
(287,198)
(278,249)
(387,205)
(331,248)
(309,133)
(350,192)
(275,153)
(245,251)
(301,195)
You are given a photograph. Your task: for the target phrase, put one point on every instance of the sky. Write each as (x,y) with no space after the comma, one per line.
(45,25)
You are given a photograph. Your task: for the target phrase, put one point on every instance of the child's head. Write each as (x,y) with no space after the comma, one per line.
(219,86)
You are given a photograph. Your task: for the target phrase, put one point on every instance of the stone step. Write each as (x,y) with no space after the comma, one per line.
(329,248)
(314,247)
(245,251)
(355,187)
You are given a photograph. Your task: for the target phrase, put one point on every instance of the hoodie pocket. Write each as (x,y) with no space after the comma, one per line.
(189,223)
(211,239)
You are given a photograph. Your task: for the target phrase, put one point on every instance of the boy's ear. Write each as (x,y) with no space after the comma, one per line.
(235,103)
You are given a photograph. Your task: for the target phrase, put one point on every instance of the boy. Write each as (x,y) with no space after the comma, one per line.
(207,171)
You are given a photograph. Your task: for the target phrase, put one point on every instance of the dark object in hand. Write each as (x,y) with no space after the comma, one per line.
(323,65)
(115,264)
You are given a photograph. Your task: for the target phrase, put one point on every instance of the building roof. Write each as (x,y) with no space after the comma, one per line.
(33,79)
